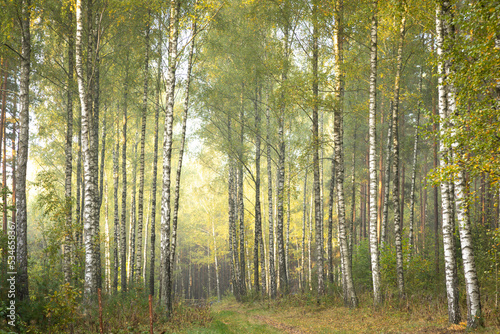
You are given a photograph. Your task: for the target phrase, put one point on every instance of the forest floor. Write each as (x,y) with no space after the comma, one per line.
(294,314)
(229,316)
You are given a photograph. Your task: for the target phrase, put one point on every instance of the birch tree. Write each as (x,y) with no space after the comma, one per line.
(69,152)
(140,204)
(89,150)
(155,171)
(414,173)
(280,195)
(318,219)
(258,242)
(387,183)
(123,232)
(272,273)
(22,155)
(181,149)
(116,214)
(350,298)
(240,201)
(166,296)
(449,141)
(374,252)
(395,158)
(448,228)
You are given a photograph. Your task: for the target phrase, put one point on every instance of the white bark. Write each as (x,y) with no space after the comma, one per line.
(107,259)
(123,232)
(395,162)
(474,316)
(88,148)
(414,173)
(304,216)
(318,217)
(272,273)
(387,182)
(22,156)
(350,297)
(215,262)
(165,296)
(448,241)
(181,155)
(69,155)
(155,173)
(116,218)
(374,251)
(140,204)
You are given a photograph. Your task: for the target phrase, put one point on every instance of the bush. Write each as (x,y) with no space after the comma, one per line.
(61,308)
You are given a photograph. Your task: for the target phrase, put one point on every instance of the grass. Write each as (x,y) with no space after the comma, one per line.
(299,314)
(128,313)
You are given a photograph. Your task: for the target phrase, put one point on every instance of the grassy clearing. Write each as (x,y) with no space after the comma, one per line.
(294,314)
(305,315)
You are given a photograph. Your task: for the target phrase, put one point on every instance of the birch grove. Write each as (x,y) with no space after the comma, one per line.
(285,130)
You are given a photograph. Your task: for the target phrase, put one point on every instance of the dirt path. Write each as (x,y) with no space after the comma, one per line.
(266,318)
(278,325)
(269,321)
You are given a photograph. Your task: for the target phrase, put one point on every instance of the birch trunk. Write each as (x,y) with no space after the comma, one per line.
(107,259)
(350,298)
(155,174)
(69,154)
(380,180)
(280,198)
(94,139)
(103,156)
(233,217)
(309,242)
(474,314)
(448,228)
(123,233)
(116,217)
(89,150)
(414,174)
(181,155)
(133,218)
(14,158)
(145,248)
(272,273)
(258,218)
(330,221)
(22,156)
(78,215)
(230,232)
(140,204)
(280,194)
(351,226)
(374,251)
(248,269)
(215,262)
(315,140)
(387,182)
(241,207)
(395,163)
(165,296)
(304,218)
(435,193)
(230,200)
(287,244)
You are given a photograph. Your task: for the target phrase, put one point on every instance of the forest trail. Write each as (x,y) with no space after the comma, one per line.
(262,319)
(232,317)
